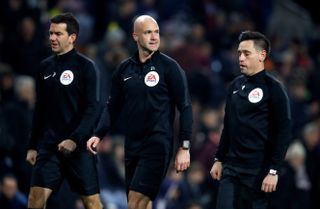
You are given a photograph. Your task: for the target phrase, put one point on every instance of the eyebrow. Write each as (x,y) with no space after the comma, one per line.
(243,50)
(149,31)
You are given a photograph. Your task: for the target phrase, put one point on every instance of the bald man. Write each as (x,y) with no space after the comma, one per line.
(147,88)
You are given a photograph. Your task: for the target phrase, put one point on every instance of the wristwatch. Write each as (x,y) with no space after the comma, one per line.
(273,172)
(185,144)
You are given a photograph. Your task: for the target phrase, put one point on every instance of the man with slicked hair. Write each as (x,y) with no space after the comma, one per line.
(147,88)
(66,113)
(256,131)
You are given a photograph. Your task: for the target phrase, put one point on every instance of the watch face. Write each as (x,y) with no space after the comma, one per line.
(273,172)
(186,144)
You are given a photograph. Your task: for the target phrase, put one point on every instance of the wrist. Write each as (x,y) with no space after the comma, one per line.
(216,160)
(273,172)
(185,145)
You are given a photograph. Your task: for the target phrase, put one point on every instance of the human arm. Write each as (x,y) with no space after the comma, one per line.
(91,106)
(109,115)
(178,86)
(224,142)
(280,125)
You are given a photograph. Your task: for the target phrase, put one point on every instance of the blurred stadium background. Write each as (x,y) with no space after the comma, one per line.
(201,35)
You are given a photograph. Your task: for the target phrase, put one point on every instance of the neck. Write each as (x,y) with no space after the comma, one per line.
(144,55)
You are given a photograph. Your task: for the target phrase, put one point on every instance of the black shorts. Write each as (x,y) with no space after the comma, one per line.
(78,168)
(240,190)
(145,174)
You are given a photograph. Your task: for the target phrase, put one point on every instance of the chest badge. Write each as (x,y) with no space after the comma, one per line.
(66,77)
(151,79)
(255,95)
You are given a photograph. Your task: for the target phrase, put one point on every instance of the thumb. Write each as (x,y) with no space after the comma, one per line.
(95,143)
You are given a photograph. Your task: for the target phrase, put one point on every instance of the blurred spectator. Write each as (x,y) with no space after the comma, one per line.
(311,142)
(10,196)
(18,115)
(30,47)
(197,186)
(171,195)
(200,34)
(194,205)
(6,83)
(111,171)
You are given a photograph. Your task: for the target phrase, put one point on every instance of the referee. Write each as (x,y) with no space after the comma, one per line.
(66,112)
(256,133)
(147,88)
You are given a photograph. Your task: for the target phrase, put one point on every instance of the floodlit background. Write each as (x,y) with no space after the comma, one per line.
(201,35)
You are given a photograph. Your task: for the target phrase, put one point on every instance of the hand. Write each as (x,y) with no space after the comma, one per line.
(67,146)
(92,144)
(182,161)
(269,183)
(31,156)
(216,170)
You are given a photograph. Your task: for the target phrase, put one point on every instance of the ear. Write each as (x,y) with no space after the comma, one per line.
(73,37)
(262,55)
(135,36)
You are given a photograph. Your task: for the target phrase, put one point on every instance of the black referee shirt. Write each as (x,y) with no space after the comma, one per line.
(257,123)
(68,103)
(148,94)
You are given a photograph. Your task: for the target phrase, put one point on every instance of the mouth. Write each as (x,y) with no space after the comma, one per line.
(54,45)
(153,43)
(242,66)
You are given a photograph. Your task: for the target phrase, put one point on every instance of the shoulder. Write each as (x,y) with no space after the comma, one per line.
(167,60)
(276,87)
(47,60)
(238,79)
(84,59)
(126,62)
(273,82)
(46,64)
(124,65)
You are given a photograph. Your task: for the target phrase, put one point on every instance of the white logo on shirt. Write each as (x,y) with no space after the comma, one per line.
(66,77)
(151,79)
(255,95)
(48,76)
(127,78)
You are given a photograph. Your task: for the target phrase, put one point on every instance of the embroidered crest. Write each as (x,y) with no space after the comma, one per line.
(255,95)
(151,79)
(66,77)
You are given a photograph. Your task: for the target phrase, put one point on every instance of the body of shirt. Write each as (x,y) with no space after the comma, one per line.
(68,104)
(257,123)
(148,94)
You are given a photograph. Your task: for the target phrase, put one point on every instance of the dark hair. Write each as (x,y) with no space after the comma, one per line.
(69,19)
(260,40)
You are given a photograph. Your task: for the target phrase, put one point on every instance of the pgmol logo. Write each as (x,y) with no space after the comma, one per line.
(66,77)
(151,79)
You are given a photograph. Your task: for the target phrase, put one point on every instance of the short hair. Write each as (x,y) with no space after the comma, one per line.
(260,40)
(70,20)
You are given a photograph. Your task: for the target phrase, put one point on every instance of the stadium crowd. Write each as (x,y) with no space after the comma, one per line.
(201,35)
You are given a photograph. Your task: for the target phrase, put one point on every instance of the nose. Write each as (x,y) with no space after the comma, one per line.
(52,37)
(241,57)
(154,35)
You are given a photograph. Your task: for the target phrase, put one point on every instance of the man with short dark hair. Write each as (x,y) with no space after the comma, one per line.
(256,133)
(66,112)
